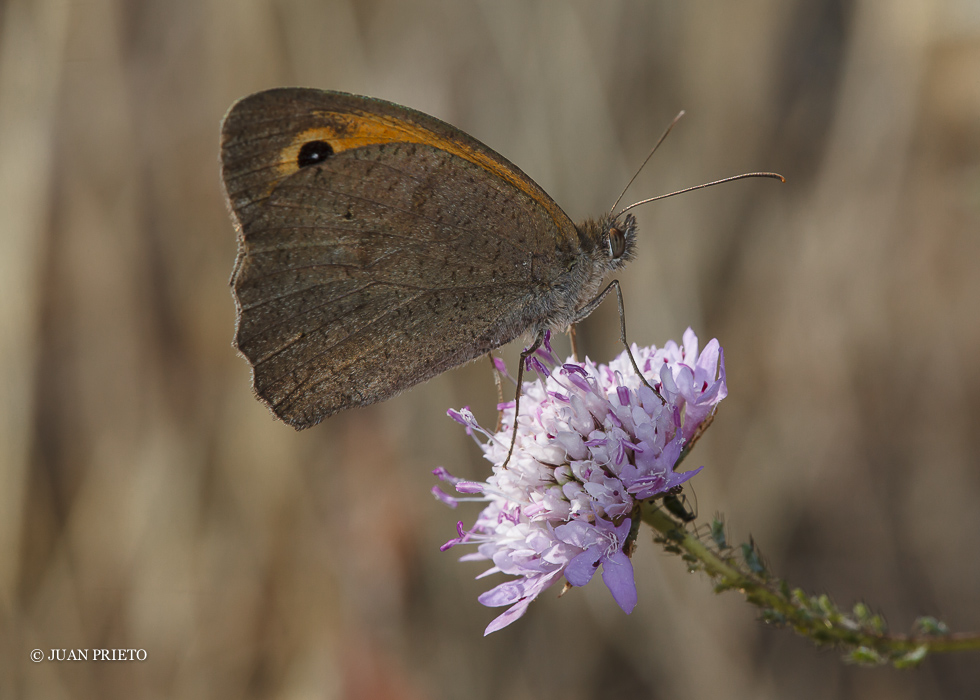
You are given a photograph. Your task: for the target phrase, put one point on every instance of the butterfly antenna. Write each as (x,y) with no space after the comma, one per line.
(646,160)
(743,176)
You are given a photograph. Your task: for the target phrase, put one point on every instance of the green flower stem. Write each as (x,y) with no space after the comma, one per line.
(861,633)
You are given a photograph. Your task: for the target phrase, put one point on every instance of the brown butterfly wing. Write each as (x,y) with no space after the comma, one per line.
(385,263)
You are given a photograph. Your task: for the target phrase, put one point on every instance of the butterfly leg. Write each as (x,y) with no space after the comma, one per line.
(573,341)
(526,353)
(500,391)
(594,304)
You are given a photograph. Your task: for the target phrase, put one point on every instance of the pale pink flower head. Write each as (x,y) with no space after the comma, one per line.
(592,442)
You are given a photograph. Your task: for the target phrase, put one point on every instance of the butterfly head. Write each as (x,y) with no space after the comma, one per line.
(619,239)
(611,240)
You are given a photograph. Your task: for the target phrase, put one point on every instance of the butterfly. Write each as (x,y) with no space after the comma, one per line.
(379,247)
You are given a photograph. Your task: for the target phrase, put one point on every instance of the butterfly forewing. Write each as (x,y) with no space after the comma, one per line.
(379,267)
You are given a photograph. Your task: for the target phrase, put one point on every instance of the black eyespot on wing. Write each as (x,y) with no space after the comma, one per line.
(617,243)
(314,153)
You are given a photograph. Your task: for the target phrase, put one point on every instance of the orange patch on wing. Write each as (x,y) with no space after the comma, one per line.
(344,131)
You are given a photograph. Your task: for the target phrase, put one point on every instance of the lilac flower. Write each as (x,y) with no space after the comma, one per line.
(592,442)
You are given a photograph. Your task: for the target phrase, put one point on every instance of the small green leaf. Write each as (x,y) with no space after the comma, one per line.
(752,560)
(912,658)
(931,626)
(862,613)
(865,656)
(877,624)
(825,605)
(718,534)
(773,617)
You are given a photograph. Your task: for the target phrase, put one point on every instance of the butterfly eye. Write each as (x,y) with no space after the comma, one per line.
(314,153)
(617,243)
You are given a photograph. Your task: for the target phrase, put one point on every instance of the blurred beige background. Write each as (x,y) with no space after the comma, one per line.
(147,501)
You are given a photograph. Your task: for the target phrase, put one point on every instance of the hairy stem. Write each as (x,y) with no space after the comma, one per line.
(862,634)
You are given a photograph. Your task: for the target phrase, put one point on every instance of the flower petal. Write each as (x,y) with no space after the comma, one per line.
(582,568)
(617,574)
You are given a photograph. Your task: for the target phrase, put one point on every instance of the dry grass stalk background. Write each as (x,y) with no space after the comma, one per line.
(147,501)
